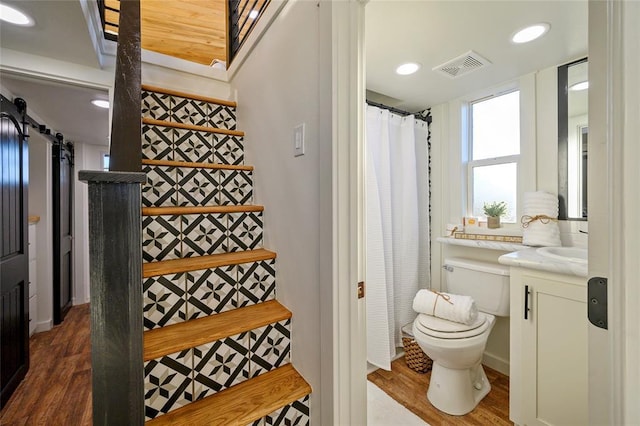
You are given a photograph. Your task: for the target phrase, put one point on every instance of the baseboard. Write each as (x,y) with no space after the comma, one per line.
(496,362)
(44,326)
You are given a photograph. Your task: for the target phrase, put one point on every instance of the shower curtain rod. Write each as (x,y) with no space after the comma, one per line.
(419,116)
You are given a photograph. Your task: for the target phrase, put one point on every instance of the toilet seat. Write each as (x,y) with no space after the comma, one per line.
(443,329)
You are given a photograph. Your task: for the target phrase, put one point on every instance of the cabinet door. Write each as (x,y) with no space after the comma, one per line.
(554,353)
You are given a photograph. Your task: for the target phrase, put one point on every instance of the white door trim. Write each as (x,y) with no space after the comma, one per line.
(614,200)
(344,394)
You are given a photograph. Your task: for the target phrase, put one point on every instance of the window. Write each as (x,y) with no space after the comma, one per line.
(105,162)
(494,153)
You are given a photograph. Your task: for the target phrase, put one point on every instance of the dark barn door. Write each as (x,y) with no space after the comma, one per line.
(62,229)
(14,257)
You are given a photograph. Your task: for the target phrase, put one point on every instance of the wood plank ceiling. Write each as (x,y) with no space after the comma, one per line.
(194,30)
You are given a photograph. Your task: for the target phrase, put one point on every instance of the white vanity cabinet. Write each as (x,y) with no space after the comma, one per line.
(548,372)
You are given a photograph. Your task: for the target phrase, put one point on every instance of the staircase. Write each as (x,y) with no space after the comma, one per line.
(216,341)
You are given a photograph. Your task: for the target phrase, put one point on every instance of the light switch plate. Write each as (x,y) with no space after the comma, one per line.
(298,140)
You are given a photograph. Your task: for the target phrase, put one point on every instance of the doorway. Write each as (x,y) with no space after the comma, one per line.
(62,190)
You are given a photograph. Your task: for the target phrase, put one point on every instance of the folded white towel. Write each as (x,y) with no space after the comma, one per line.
(452,307)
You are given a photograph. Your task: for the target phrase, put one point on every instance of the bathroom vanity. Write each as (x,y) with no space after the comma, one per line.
(548,340)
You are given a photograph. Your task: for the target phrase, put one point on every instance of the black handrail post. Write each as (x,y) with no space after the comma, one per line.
(126,130)
(115,252)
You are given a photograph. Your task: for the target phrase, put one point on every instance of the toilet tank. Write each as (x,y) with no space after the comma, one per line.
(487,283)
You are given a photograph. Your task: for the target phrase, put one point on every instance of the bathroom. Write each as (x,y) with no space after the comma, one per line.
(531,69)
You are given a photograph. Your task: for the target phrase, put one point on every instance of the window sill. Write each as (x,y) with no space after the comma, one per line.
(491,245)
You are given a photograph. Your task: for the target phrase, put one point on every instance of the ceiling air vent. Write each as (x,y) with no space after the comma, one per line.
(462,65)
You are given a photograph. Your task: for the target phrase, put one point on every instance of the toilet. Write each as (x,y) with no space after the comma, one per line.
(458,382)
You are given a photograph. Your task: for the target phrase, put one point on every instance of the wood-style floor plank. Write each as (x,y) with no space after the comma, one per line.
(57,388)
(410,389)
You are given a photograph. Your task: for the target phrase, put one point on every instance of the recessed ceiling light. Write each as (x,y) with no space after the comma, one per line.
(100,103)
(408,68)
(14,16)
(583,85)
(253,14)
(530,33)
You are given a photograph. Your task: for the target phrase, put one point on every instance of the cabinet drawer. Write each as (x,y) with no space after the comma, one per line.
(33,278)
(33,314)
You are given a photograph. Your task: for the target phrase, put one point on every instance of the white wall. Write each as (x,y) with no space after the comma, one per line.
(278,88)
(40,204)
(87,157)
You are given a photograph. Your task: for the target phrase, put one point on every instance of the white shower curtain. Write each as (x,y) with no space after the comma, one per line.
(397,215)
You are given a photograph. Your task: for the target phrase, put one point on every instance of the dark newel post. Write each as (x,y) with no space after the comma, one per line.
(126,151)
(116,296)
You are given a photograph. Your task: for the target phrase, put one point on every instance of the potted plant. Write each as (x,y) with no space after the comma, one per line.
(494,211)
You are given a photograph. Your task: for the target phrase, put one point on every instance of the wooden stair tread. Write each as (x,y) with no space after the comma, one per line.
(178,337)
(172,92)
(175,266)
(159,211)
(243,403)
(154,122)
(171,163)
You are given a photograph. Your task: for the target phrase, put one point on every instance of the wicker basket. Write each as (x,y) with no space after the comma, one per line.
(413,355)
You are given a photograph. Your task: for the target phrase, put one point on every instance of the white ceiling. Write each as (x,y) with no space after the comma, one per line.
(433,32)
(60,32)
(429,32)
(63,108)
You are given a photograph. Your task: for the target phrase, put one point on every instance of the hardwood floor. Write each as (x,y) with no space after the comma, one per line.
(57,389)
(410,389)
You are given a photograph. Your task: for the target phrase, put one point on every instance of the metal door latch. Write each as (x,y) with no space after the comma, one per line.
(597,302)
(360,289)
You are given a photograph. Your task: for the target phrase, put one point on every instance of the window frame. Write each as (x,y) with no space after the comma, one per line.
(507,159)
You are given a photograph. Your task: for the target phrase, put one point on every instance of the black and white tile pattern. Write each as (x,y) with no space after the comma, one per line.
(168,383)
(189,111)
(256,282)
(228,149)
(295,414)
(163,300)
(157,142)
(192,146)
(222,117)
(235,187)
(270,347)
(161,238)
(197,187)
(220,364)
(160,189)
(212,291)
(204,234)
(245,231)
(156,105)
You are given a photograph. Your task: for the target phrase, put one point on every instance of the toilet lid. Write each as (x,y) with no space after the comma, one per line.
(444,329)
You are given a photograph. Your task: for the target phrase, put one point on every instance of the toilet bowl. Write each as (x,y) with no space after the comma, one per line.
(458,381)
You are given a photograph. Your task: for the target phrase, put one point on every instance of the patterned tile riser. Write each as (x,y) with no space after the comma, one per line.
(181,236)
(294,414)
(189,111)
(166,143)
(175,380)
(185,186)
(169,299)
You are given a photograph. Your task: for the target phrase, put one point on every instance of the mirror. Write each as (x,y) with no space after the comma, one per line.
(573,133)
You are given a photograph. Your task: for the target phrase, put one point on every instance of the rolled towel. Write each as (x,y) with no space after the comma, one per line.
(452,307)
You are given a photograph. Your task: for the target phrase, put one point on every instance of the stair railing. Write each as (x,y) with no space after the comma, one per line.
(242,16)
(115,248)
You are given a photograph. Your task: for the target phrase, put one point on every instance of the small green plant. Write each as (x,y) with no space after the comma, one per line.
(495,209)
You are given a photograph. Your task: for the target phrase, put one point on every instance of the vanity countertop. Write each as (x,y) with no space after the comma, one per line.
(530,258)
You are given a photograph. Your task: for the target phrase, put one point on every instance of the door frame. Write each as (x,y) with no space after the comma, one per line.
(614,247)
(344,391)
